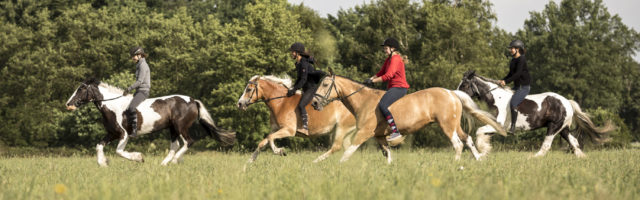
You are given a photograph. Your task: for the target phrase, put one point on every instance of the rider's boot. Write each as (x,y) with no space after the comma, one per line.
(395,134)
(514,119)
(305,124)
(133,122)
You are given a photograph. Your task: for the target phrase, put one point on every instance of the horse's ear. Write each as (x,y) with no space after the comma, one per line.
(469,74)
(331,72)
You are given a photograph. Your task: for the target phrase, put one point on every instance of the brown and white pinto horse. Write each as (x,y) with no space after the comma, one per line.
(285,118)
(176,112)
(536,111)
(411,112)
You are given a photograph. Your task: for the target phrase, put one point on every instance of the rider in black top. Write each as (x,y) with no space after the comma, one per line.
(307,80)
(519,75)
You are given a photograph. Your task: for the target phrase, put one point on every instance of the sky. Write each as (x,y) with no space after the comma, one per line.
(511,13)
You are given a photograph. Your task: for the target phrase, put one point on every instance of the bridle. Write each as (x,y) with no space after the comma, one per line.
(324,100)
(95,100)
(255,91)
(475,89)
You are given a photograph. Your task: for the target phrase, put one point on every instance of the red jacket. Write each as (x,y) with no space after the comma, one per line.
(392,72)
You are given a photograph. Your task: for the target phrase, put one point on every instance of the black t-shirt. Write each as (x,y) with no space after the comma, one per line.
(518,72)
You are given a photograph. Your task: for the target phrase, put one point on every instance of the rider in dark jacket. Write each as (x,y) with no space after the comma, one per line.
(307,80)
(519,75)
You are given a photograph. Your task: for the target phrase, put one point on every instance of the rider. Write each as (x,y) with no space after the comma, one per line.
(519,74)
(392,72)
(142,86)
(307,80)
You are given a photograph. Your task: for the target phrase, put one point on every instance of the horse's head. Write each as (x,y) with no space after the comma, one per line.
(468,84)
(251,93)
(326,92)
(87,92)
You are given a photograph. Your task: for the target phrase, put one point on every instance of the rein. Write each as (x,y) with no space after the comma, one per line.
(94,100)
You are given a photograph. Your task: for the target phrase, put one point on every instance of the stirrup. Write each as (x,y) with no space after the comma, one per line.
(394,136)
(303,131)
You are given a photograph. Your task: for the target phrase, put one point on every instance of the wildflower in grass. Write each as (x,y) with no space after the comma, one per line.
(219,191)
(60,188)
(436,182)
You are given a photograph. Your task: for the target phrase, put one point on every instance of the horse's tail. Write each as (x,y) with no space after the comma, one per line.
(226,137)
(598,135)
(471,108)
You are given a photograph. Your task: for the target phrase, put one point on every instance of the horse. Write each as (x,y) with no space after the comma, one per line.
(176,112)
(412,113)
(285,118)
(548,109)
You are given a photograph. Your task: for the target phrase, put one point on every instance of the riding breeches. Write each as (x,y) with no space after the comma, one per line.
(392,95)
(306,98)
(138,98)
(519,95)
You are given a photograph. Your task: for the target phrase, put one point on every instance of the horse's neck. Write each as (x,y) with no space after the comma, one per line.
(272,90)
(112,101)
(359,99)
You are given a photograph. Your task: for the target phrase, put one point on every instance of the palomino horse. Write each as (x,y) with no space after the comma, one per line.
(536,111)
(412,112)
(176,112)
(285,118)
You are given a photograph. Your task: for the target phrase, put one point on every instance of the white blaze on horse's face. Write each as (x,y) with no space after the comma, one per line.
(249,94)
(322,91)
(76,98)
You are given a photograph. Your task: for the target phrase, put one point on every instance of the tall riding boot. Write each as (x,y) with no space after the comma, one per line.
(133,122)
(305,124)
(514,119)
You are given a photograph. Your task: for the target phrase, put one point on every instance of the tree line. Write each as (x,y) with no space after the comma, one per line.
(209,50)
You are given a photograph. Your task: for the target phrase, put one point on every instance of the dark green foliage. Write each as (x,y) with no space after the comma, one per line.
(209,49)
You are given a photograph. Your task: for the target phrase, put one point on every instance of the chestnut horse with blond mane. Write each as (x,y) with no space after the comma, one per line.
(285,118)
(413,112)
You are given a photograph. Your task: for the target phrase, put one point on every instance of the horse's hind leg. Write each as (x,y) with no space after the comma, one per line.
(468,140)
(573,142)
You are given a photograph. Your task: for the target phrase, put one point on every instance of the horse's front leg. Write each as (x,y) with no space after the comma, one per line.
(102,160)
(260,147)
(282,133)
(382,140)
(135,156)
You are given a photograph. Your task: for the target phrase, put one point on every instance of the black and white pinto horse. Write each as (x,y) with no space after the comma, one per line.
(176,112)
(536,111)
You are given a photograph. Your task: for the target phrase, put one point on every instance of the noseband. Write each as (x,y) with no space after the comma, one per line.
(324,100)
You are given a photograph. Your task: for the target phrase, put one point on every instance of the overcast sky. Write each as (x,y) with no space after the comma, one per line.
(511,13)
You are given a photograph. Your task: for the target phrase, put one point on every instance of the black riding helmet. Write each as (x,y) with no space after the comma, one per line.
(517,44)
(391,42)
(136,50)
(297,47)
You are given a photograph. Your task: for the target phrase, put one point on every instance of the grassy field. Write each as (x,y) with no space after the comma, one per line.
(420,174)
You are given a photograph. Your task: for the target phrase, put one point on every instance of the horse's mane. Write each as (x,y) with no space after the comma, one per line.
(358,82)
(111,88)
(493,81)
(282,80)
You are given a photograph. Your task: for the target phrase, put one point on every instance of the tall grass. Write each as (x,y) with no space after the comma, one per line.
(420,174)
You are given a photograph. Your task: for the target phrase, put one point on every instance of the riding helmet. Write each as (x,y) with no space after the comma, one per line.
(136,50)
(391,42)
(516,44)
(297,47)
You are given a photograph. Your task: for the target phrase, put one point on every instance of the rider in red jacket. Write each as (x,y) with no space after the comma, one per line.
(392,72)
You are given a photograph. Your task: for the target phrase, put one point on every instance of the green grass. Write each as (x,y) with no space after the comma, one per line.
(420,174)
